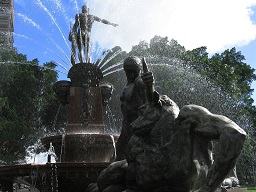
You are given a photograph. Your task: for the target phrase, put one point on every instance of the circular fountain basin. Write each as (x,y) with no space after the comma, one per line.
(83,147)
(61,177)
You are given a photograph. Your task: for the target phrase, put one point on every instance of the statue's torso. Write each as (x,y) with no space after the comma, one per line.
(85,22)
(131,99)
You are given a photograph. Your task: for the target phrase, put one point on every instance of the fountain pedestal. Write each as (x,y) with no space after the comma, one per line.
(84,143)
(84,140)
(85,110)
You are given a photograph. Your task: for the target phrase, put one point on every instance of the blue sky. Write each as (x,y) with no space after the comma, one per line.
(42,26)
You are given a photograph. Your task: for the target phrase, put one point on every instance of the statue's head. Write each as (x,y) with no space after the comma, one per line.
(132,67)
(85,9)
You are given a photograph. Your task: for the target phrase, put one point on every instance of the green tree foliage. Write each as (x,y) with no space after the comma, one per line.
(163,47)
(198,58)
(227,69)
(246,163)
(25,96)
(158,47)
(235,76)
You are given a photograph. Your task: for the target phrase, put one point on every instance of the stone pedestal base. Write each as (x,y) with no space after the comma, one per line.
(234,190)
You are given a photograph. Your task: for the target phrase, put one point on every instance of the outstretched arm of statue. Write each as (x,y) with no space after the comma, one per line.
(230,139)
(104,21)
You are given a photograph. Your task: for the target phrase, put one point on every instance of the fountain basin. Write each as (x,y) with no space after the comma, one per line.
(62,177)
(83,147)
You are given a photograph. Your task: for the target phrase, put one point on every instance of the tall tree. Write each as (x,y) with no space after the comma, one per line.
(25,92)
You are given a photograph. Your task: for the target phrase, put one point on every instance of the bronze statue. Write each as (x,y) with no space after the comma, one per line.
(170,149)
(133,96)
(80,34)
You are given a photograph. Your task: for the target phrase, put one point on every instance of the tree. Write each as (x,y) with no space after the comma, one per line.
(235,75)
(25,94)
(163,47)
(226,69)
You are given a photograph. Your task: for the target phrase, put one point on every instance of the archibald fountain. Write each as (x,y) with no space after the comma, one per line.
(85,149)
(161,147)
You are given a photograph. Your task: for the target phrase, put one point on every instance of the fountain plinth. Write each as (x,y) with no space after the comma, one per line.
(84,140)
(85,111)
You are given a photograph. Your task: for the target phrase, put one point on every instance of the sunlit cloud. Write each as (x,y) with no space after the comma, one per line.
(215,24)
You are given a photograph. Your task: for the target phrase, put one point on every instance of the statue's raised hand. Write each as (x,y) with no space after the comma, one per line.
(148,80)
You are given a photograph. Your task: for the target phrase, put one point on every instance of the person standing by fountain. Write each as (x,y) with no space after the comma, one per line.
(133,96)
(80,33)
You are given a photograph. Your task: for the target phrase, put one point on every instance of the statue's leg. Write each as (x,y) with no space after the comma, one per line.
(80,55)
(130,178)
(123,140)
(86,45)
(73,54)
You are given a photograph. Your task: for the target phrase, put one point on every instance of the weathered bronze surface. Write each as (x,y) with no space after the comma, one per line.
(169,149)
(80,34)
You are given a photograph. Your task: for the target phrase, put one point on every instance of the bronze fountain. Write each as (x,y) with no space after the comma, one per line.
(85,149)
(167,148)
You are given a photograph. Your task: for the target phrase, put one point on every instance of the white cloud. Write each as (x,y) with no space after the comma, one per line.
(216,24)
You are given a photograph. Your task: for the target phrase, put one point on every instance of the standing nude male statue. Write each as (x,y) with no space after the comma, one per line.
(80,33)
